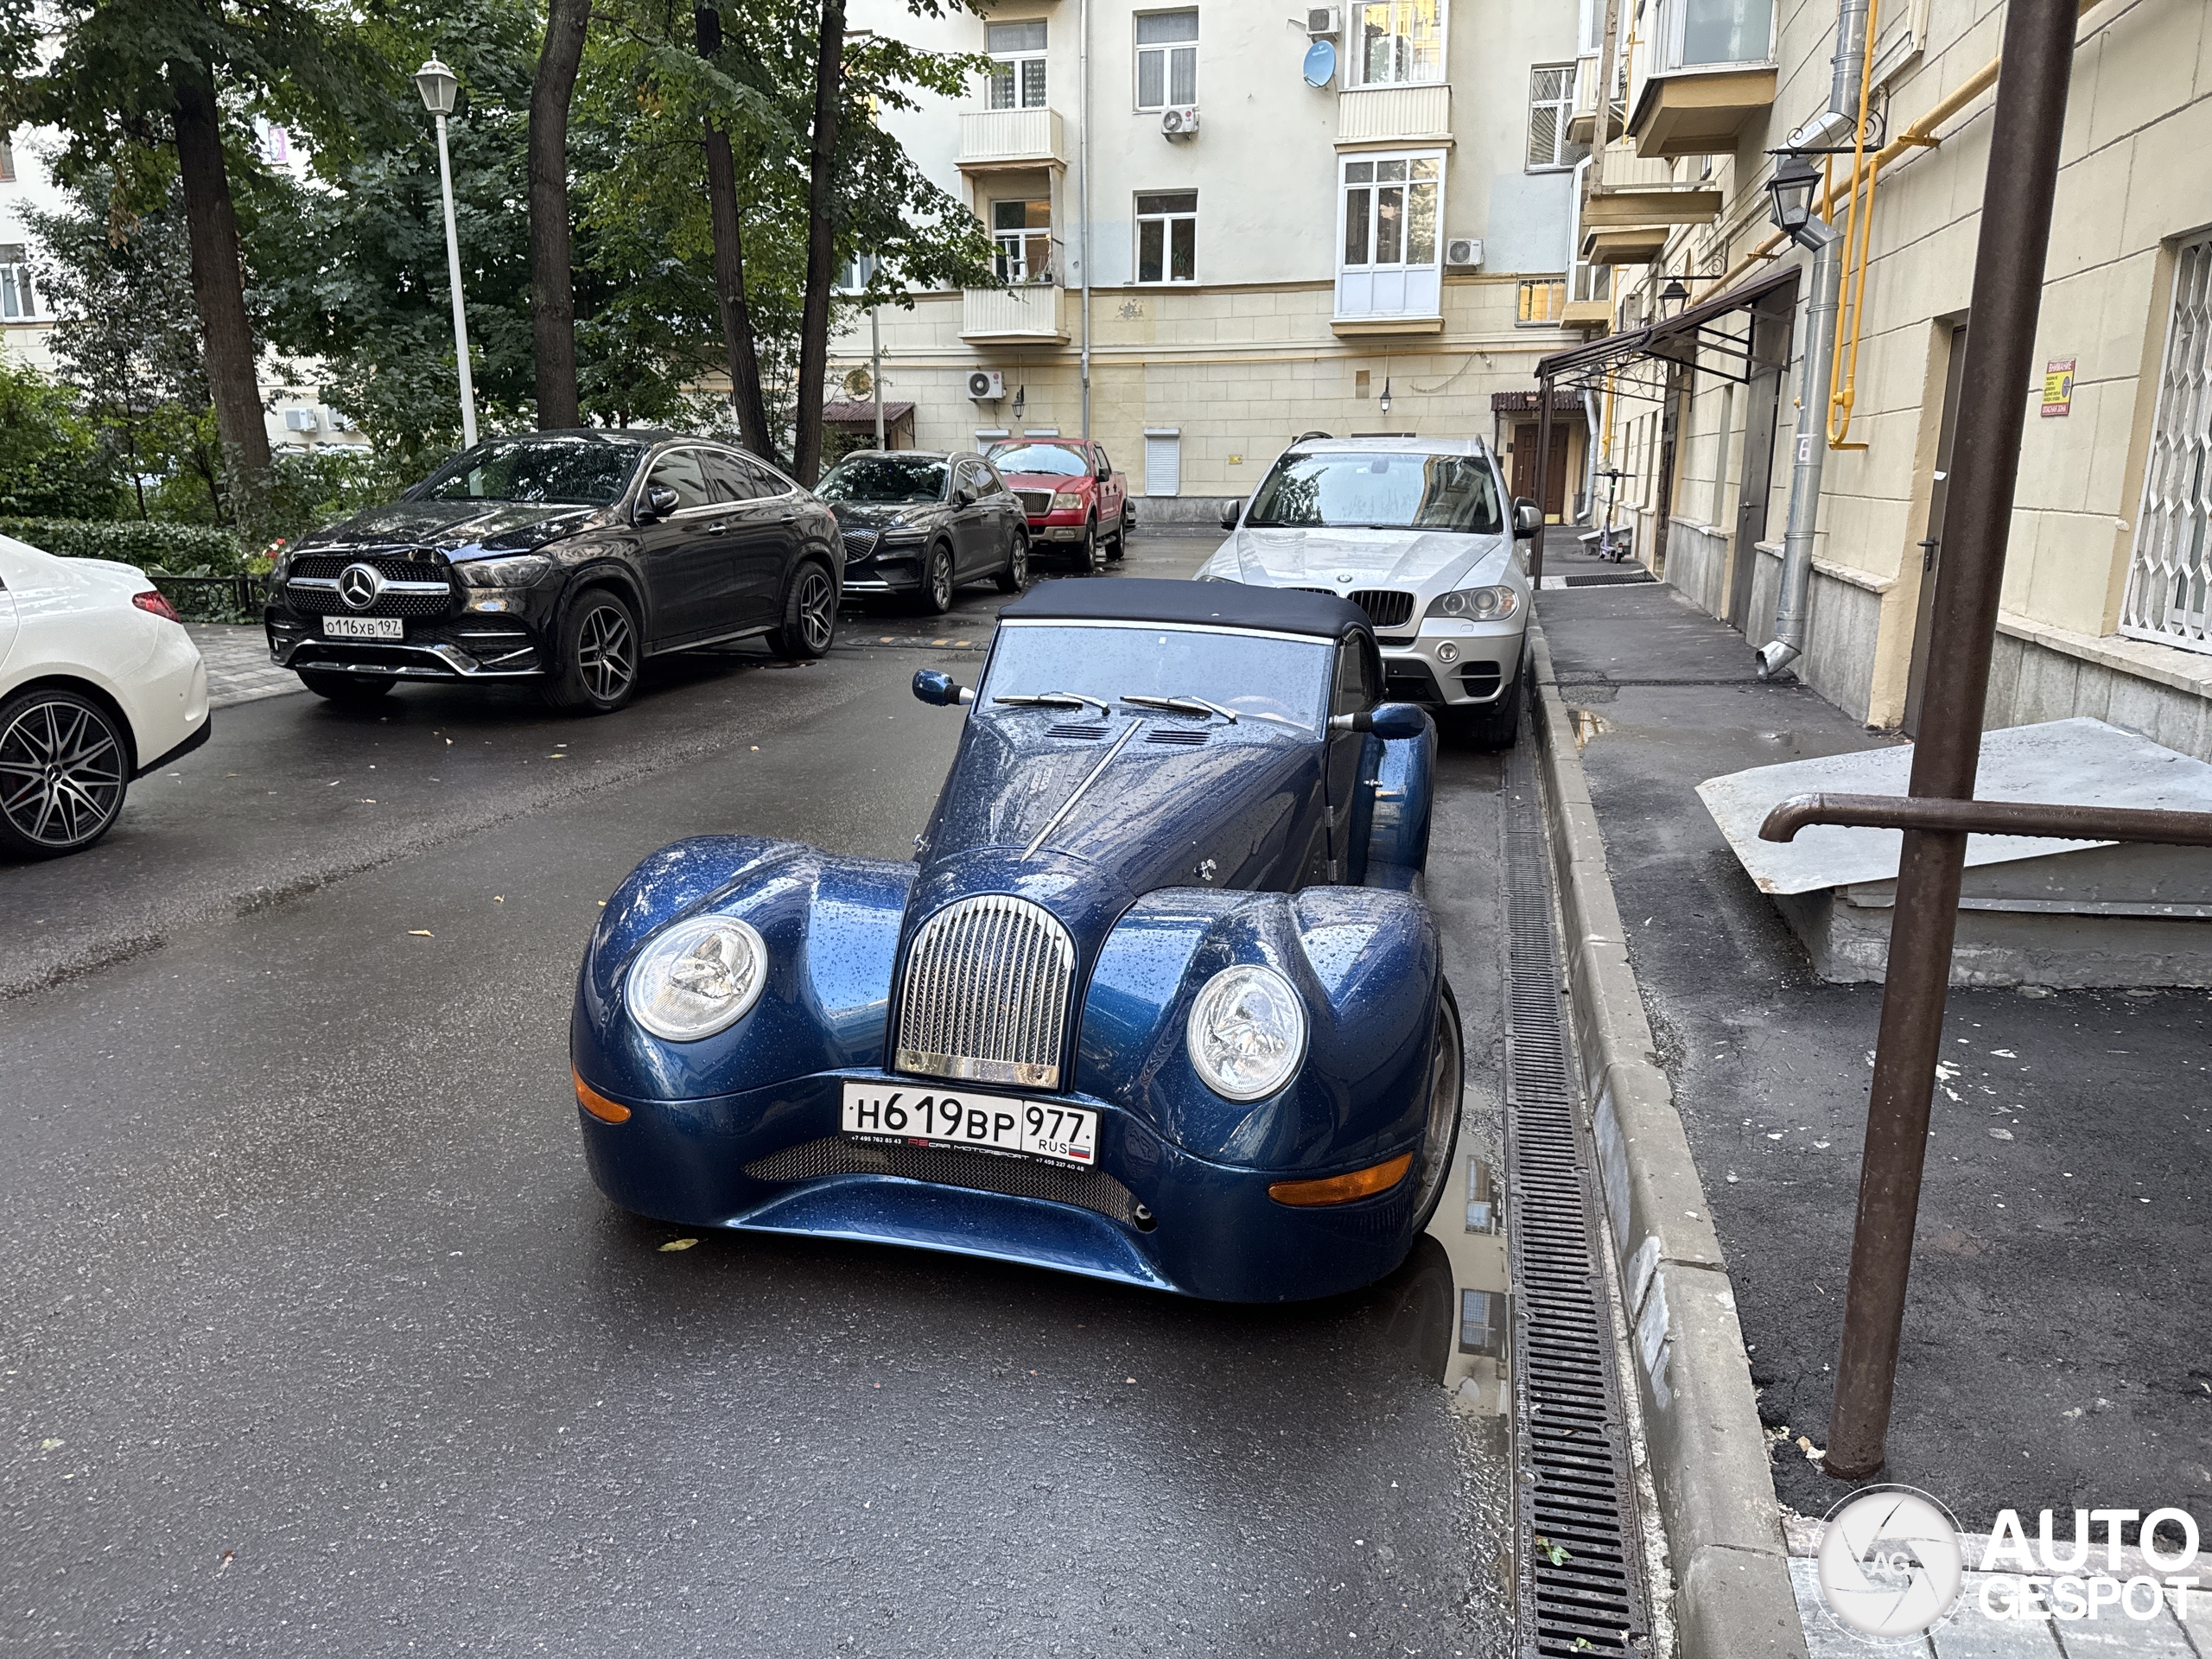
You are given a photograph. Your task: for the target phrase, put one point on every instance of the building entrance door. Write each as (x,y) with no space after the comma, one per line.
(1524,467)
(1931,546)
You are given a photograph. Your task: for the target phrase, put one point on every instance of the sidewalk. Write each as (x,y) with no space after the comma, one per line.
(238,669)
(2055,1352)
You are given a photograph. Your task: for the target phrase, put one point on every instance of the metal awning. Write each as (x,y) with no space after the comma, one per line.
(1713,335)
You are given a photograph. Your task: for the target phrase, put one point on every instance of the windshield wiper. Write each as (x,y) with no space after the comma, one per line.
(1184,705)
(1055,700)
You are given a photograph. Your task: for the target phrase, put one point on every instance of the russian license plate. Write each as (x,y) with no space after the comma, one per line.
(363,627)
(944,1117)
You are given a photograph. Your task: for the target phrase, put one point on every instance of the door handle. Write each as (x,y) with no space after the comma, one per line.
(716,530)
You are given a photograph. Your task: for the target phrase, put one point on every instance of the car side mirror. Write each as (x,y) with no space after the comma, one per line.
(1528,519)
(1230,514)
(1388,721)
(940,690)
(658,502)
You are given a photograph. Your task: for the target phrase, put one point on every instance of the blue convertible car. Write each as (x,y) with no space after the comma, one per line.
(1159,1001)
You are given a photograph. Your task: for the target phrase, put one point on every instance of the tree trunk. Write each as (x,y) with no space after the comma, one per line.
(218,288)
(729,268)
(552,288)
(814,320)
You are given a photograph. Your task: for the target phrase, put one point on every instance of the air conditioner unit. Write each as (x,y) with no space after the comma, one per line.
(340,423)
(299,419)
(987,385)
(1180,122)
(1323,23)
(1464,253)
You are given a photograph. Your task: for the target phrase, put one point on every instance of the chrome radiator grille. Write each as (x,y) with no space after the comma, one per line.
(986,994)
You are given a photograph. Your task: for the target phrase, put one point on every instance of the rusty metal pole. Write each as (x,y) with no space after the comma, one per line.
(1543,479)
(2016,208)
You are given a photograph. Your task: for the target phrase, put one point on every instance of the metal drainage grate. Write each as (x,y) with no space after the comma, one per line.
(981,1171)
(1581,1561)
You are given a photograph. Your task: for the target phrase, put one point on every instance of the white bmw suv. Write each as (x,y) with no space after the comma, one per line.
(1419,533)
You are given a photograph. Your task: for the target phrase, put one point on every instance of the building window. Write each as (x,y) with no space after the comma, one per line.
(1390,210)
(1716,33)
(1168,237)
(1163,461)
(1398,42)
(855,274)
(1167,59)
(1541,303)
(1018,79)
(1551,104)
(7,159)
(18,301)
(2170,573)
(1023,230)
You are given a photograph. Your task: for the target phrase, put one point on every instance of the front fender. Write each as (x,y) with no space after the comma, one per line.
(831,926)
(1367,964)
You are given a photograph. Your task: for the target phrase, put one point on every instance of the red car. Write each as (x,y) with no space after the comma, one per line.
(1075,501)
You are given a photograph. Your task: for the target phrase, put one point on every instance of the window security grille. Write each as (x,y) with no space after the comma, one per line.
(2170,570)
(1551,104)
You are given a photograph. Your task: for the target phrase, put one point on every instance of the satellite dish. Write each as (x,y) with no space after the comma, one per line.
(1320,63)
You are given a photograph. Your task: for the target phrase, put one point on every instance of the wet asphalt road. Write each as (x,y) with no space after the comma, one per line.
(318,1338)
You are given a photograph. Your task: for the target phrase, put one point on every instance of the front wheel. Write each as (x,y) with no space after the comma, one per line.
(344,688)
(596,660)
(935,598)
(810,616)
(1495,725)
(1015,577)
(1446,1078)
(64,766)
(1120,547)
(1094,550)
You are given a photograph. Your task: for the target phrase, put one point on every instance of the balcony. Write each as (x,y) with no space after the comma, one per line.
(1632,244)
(999,141)
(1035,313)
(1713,69)
(1409,114)
(1584,121)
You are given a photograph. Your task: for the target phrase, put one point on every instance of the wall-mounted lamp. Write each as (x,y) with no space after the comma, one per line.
(1673,294)
(1384,404)
(1792,186)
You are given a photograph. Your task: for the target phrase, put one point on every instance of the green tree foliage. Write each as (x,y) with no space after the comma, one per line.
(52,462)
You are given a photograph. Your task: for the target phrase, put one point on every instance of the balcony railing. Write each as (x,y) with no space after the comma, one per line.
(1031,311)
(1378,114)
(991,140)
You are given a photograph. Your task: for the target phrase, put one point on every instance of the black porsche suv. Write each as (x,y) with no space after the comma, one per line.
(564,557)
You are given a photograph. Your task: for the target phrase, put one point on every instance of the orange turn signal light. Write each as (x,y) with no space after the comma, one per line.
(606,1110)
(1340,1189)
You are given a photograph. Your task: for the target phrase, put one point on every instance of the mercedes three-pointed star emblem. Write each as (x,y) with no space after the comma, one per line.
(360,586)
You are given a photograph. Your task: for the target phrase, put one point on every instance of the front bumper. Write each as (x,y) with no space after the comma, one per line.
(889,569)
(1067,525)
(469,647)
(1453,664)
(1209,1230)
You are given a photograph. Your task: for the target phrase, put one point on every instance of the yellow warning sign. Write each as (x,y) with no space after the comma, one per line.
(2058,387)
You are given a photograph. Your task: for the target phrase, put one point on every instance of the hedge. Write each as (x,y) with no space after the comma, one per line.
(147,544)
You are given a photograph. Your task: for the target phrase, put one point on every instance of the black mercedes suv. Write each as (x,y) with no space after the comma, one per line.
(563,557)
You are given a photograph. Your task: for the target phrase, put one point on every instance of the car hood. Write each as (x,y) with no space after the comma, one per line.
(1429,561)
(881,515)
(1047,481)
(451,526)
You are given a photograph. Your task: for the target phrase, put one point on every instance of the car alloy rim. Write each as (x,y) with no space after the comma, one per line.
(604,653)
(60,773)
(941,578)
(1019,564)
(817,609)
(1445,1077)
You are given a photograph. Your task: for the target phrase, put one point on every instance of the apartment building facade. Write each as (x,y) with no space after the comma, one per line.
(1244,222)
(2104,602)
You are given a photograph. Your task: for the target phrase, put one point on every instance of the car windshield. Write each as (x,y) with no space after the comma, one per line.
(1260,677)
(1056,459)
(1385,489)
(584,472)
(884,478)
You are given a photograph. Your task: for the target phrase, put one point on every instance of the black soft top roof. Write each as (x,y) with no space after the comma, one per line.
(1199,603)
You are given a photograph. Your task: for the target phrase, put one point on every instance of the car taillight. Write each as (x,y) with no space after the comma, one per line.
(151,600)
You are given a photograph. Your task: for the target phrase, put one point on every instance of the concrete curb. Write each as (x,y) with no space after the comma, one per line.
(1733,1594)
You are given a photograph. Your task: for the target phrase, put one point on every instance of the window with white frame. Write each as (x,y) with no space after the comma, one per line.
(17,299)
(1551,105)
(1389,234)
(1167,59)
(1716,33)
(2170,573)
(1396,43)
(1168,237)
(1023,230)
(855,274)
(7,159)
(1018,77)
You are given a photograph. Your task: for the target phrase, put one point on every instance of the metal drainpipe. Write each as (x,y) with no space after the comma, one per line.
(1792,608)
(1082,230)
(1834,124)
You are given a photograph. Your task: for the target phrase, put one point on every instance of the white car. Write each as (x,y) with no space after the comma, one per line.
(99,684)
(1419,533)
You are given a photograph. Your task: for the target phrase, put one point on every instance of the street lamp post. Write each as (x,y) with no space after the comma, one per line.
(438,85)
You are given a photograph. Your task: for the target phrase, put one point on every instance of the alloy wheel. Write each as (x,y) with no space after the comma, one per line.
(61,773)
(940,579)
(607,655)
(817,608)
(1445,1089)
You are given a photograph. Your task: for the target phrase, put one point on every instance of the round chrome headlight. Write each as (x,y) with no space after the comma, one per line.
(1247,1032)
(698,978)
